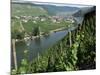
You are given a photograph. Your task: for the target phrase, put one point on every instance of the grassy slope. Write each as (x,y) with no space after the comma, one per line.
(27,10)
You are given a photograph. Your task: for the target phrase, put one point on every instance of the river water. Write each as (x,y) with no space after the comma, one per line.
(37,45)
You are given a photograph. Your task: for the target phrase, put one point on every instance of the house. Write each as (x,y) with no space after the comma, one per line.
(17,17)
(24,20)
(43,19)
(34,22)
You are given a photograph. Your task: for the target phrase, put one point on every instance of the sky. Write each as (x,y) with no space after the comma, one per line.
(86,2)
(73,3)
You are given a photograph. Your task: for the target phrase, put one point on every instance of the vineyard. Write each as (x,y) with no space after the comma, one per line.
(76,51)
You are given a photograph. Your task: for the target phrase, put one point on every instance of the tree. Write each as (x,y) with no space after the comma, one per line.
(36,31)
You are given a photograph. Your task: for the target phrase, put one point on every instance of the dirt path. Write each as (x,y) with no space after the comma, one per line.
(21,25)
(59,29)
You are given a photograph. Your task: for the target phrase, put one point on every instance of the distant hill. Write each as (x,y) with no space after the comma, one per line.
(59,10)
(40,9)
(19,9)
(84,11)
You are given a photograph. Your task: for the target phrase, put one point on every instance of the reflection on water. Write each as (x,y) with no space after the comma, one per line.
(37,40)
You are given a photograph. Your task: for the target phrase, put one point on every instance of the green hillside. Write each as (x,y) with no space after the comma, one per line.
(27,10)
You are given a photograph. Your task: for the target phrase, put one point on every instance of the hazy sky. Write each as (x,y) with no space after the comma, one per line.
(73,3)
(87,2)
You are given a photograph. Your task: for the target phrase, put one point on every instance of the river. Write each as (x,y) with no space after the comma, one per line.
(37,45)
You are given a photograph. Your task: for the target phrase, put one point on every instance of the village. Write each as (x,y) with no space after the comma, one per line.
(42,18)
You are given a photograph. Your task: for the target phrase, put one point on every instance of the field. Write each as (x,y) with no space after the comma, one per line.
(45,26)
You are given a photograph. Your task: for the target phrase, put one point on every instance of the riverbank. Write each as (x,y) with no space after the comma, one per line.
(41,34)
